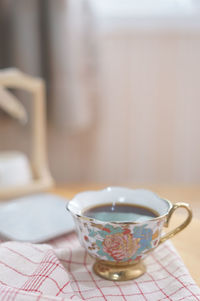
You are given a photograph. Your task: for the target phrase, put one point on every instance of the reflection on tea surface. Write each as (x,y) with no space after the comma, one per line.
(117,212)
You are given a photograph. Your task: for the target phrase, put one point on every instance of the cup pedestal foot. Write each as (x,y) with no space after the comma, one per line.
(119,271)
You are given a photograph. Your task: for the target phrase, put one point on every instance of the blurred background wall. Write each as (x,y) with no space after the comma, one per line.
(123,86)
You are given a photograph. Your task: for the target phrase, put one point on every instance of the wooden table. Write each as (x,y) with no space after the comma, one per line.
(187,242)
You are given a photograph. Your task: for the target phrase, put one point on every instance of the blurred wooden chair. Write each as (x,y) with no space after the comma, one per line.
(35,175)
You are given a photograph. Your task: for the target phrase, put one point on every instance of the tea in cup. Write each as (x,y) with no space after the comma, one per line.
(119,226)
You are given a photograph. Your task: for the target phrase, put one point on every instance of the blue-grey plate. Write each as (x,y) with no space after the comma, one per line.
(35,218)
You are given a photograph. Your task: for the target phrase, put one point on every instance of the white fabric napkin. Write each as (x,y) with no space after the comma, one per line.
(62,270)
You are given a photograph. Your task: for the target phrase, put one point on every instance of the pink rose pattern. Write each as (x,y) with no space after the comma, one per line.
(120,245)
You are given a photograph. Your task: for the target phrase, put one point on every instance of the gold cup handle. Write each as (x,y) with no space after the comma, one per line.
(182,226)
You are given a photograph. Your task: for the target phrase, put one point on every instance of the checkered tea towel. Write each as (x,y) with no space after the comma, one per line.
(62,270)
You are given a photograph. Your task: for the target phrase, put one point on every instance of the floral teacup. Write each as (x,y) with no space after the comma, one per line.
(118,247)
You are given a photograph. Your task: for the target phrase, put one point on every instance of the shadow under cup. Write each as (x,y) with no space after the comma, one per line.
(119,247)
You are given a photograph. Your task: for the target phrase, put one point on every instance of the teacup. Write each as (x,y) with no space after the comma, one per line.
(120,246)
